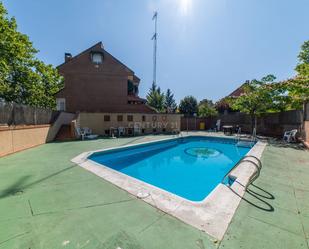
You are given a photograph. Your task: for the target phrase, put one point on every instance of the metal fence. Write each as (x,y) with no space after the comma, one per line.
(18,114)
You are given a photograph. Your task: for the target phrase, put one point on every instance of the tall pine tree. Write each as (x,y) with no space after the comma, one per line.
(170,105)
(155,98)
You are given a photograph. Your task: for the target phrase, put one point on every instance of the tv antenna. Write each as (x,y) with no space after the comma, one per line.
(154,38)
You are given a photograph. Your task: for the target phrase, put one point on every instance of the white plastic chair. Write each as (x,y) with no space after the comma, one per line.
(121,131)
(137,129)
(290,136)
(85,133)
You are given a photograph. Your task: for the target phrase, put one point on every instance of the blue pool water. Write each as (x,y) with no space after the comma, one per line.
(189,167)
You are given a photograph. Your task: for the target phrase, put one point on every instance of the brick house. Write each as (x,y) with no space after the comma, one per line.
(104,93)
(222,105)
(238,92)
(95,81)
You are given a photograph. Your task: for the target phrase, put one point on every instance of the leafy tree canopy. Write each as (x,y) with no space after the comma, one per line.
(258,97)
(188,105)
(303,66)
(23,78)
(297,88)
(223,105)
(206,108)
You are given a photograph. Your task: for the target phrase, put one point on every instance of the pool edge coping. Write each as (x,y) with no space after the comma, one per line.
(211,215)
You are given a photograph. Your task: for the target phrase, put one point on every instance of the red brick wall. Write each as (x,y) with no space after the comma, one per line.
(91,88)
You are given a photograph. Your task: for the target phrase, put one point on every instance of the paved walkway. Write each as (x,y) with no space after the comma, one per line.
(48,202)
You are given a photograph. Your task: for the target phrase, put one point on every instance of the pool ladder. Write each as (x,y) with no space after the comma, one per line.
(258,166)
(246,142)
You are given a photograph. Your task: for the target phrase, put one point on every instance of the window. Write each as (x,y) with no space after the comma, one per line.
(119,118)
(107,118)
(132,88)
(130,118)
(97,58)
(60,104)
(143,118)
(143,131)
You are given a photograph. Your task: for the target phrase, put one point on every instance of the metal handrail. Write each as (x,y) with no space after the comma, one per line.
(230,171)
(257,173)
(254,176)
(253,139)
(238,134)
(259,161)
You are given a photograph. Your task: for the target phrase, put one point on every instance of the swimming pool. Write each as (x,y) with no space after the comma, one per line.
(189,167)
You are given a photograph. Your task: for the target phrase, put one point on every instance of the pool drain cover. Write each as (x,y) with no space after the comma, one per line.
(202,152)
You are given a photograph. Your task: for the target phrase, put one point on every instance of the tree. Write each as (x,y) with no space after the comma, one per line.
(259,97)
(170,105)
(155,98)
(223,105)
(206,108)
(188,105)
(23,78)
(303,57)
(297,88)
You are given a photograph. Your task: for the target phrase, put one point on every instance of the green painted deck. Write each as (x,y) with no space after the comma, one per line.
(48,202)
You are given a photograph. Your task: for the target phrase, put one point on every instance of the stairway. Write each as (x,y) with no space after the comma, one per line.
(65,133)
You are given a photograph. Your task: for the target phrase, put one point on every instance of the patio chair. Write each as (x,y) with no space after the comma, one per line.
(113,131)
(136,129)
(85,133)
(290,136)
(121,131)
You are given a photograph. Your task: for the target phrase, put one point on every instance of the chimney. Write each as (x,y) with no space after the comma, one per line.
(67,57)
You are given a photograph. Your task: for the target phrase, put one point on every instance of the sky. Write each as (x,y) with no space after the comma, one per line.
(206,48)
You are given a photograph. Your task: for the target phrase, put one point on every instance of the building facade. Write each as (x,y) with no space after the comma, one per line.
(104,93)
(147,123)
(95,81)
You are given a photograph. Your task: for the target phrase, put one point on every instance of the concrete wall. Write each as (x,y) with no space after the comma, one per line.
(154,123)
(64,118)
(17,138)
(13,139)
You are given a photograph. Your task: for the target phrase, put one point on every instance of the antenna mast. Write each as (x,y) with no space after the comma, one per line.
(154,38)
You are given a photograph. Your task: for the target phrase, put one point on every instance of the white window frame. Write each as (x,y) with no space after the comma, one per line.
(95,58)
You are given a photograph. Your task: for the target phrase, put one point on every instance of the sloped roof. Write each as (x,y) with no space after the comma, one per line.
(99,47)
(237,92)
(136,98)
